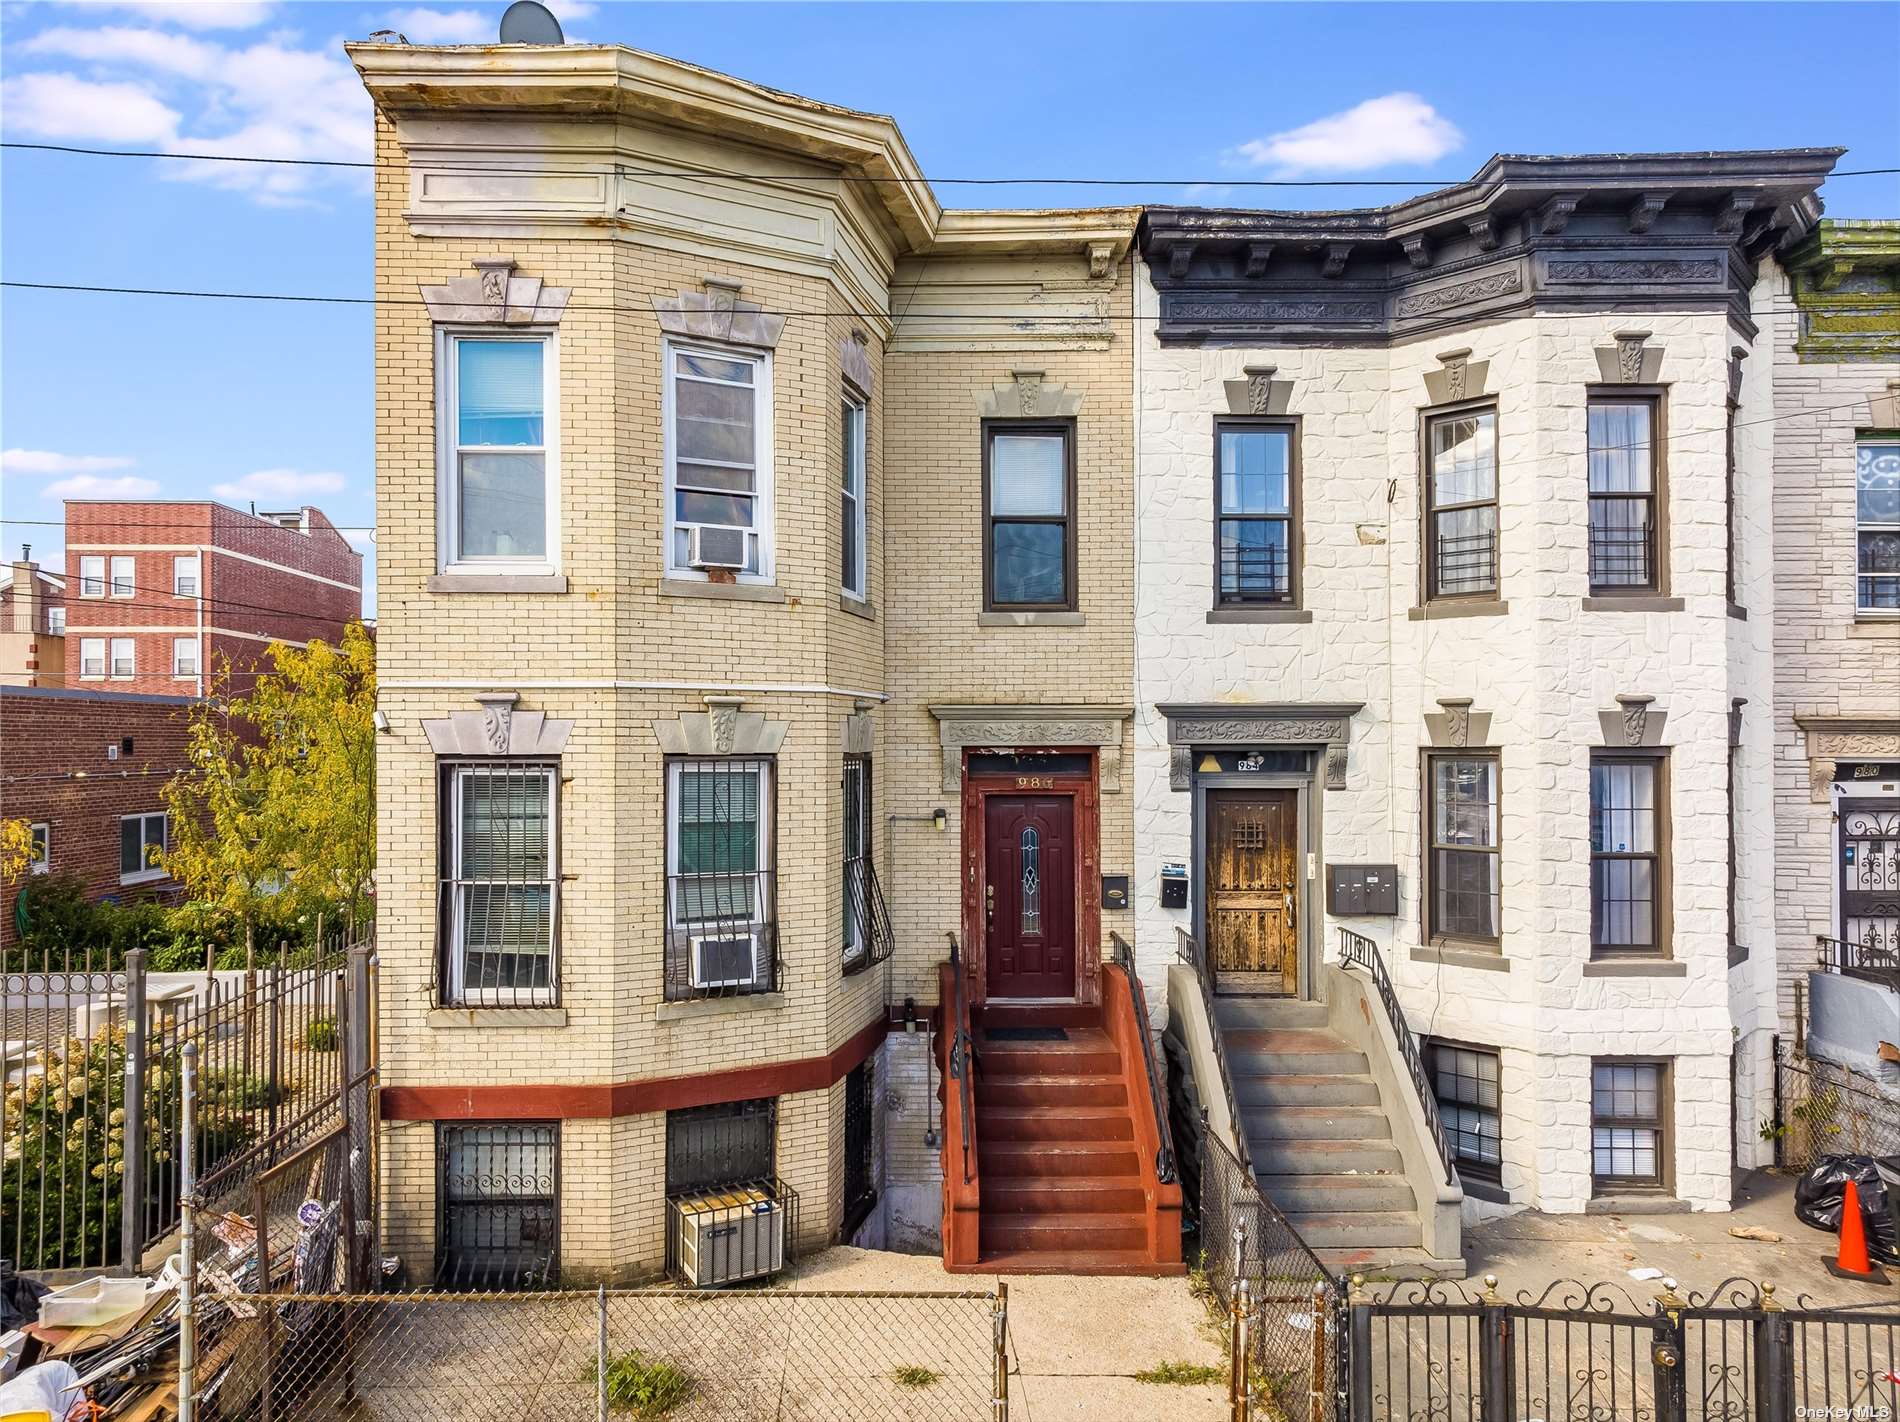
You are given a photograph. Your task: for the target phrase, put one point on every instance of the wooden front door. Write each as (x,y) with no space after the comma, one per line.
(1029,895)
(1253,890)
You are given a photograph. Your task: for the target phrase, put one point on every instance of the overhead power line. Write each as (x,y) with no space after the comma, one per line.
(869,178)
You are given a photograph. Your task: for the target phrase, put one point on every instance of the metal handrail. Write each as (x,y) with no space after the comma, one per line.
(1190,952)
(1358,951)
(1164,1152)
(1866,961)
(960,1049)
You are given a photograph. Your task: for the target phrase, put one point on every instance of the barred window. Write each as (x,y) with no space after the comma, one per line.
(500,884)
(857,855)
(712,1147)
(1623,495)
(1461,505)
(1877,524)
(498,1190)
(1465,1082)
(860,1156)
(1462,870)
(720,904)
(1628,1129)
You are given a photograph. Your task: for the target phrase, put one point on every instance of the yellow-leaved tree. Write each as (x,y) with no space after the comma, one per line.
(280,804)
(16,849)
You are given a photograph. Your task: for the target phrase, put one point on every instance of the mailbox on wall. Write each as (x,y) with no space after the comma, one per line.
(1353,889)
(1114,891)
(1174,885)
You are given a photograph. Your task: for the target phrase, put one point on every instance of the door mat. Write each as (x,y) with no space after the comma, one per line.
(1026,1034)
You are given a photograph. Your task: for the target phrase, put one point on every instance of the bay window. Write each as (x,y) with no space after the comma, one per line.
(718,463)
(499,485)
(851,577)
(1461,504)
(1627,868)
(1625,495)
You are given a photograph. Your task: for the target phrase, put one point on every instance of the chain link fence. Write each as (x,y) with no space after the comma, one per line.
(686,1355)
(1824,1109)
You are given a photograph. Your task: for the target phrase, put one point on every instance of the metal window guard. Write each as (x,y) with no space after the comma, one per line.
(1358,951)
(1124,957)
(1466,563)
(864,900)
(721,934)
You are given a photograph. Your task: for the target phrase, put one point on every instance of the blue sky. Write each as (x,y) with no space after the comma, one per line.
(175,398)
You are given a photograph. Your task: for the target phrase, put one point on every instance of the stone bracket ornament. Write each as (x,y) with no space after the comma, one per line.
(1180,258)
(1101,259)
(1644,212)
(721,729)
(1259,393)
(1029,395)
(1224,724)
(499,728)
(1461,378)
(1484,231)
(1554,215)
(1455,726)
(856,733)
(1631,361)
(960,728)
(1334,263)
(1633,723)
(1736,355)
(495,296)
(715,313)
(1418,250)
(1258,255)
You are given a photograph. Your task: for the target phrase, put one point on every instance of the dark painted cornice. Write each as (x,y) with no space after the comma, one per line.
(1618,231)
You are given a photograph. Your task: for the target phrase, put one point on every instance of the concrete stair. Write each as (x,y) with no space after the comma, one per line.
(1316,1129)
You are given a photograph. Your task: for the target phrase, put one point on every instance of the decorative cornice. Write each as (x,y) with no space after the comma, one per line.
(1012,727)
(1223,723)
(1846,283)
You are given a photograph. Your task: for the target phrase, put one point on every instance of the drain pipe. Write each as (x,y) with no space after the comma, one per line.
(937,818)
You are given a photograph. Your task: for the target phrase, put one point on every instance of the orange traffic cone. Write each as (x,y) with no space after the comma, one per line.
(1851,1261)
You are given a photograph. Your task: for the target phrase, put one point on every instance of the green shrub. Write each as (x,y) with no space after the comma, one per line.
(646,1388)
(910,1375)
(1182,1374)
(320,1036)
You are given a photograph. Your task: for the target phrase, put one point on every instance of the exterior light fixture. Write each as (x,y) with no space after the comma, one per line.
(939,817)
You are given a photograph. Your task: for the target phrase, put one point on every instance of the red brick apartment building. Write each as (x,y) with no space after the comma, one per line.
(160,594)
(87,770)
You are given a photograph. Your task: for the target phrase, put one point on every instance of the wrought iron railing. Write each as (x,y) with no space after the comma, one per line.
(1620,554)
(1872,962)
(1255,575)
(1465,563)
(1157,1089)
(958,1029)
(721,934)
(1190,953)
(1358,951)
(867,920)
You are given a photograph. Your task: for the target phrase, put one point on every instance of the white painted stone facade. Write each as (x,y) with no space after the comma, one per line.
(1543,671)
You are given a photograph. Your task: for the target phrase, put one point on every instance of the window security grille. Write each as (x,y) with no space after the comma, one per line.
(721,899)
(860,1186)
(867,923)
(732,1143)
(498,1191)
(500,886)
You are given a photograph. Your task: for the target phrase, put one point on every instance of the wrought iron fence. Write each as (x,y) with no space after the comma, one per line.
(1620,543)
(1824,1109)
(689,1355)
(1358,951)
(1871,961)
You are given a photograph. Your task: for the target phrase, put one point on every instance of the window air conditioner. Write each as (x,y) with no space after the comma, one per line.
(724,962)
(730,1235)
(710,545)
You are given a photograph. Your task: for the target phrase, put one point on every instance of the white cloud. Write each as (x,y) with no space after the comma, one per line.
(150,49)
(66,106)
(190,15)
(46,461)
(285,484)
(93,486)
(1394,128)
(425,26)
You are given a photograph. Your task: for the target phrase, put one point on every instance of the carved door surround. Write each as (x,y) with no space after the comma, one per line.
(1327,724)
(1836,738)
(1096,728)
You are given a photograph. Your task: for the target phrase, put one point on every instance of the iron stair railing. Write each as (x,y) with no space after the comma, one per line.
(1189,951)
(1157,1095)
(960,1050)
(1358,951)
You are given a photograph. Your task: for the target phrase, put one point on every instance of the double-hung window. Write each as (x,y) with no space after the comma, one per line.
(39,858)
(851,574)
(720,920)
(1029,517)
(1465,1084)
(500,883)
(1628,1124)
(1255,547)
(124,577)
(1625,497)
(92,576)
(56,620)
(1877,526)
(92,658)
(124,658)
(1461,504)
(185,575)
(718,463)
(499,487)
(184,656)
(142,839)
(1462,871)
(1626,864)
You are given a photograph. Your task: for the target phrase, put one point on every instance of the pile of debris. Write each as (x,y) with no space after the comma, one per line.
(105,1347)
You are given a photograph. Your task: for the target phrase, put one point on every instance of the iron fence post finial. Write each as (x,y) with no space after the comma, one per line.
(1492,1298)
(1769,1303)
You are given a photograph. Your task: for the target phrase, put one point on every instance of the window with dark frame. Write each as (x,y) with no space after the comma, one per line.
(500,883)
(498,1198)
(1462,810)
(1626,868)
(1461,504)
(723,1145)
(1623,490)
(1628,1124)
(1877,526)
(851,573)
(860,1184)
(1465,1084)
(1736,950)
(1029,517)
(721,900)
(1256,549)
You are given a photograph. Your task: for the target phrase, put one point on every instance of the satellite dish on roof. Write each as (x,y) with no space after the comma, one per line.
(525,22)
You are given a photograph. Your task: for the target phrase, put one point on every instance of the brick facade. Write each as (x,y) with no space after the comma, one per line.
(32,619)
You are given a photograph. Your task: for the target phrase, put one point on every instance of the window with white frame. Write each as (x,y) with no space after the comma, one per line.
(124,576)
(1877,526)
(124,661)
(185,575)
(184,656)
(92,577)
(500,481)
(721,925)
(92,656)
(718,463)
(142,839)
(39,857)
(56,620)
(499,883)
(851,575)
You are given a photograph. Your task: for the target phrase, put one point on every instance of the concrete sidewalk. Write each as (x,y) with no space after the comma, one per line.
(1077,1341)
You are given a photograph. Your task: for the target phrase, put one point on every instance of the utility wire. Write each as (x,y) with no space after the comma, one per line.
(871,178)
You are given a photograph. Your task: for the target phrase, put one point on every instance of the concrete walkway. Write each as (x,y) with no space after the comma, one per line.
(1075,1341)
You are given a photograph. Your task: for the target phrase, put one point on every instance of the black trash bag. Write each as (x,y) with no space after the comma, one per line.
(19,1298)
(1820,1191)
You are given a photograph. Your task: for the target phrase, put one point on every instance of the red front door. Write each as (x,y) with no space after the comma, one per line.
(1029,897)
